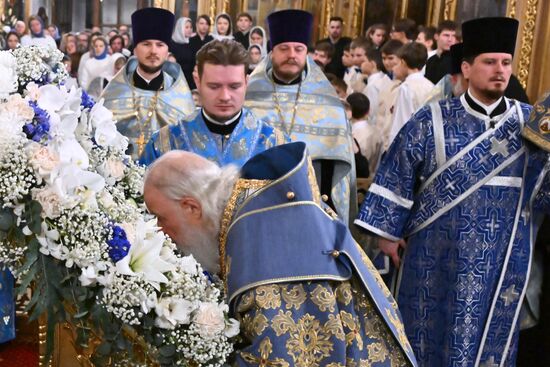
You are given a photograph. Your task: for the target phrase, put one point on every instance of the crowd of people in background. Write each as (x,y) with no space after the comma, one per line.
(395,68)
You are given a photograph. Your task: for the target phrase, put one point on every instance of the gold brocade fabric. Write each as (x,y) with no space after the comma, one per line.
(315,323)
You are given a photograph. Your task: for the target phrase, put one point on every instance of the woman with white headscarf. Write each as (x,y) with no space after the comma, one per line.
(257,36)
(223,28)
(256,53)
(181,49)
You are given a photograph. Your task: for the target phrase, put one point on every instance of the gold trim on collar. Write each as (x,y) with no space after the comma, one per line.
(536,139)
(238,189)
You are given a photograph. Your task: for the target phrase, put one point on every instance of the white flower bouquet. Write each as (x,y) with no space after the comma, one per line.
(72,222)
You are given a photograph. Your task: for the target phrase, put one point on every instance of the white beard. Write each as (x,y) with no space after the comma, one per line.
(203,245)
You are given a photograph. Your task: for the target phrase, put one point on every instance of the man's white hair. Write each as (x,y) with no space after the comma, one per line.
(178,174)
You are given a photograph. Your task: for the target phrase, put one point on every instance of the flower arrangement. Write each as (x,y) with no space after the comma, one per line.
(73,224)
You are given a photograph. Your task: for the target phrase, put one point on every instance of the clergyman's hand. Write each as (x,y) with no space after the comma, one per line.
(391,248)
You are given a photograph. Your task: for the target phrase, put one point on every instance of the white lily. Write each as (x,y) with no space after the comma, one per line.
(144,256)
(173,311)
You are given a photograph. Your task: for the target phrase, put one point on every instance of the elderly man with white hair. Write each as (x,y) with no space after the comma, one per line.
(304,292)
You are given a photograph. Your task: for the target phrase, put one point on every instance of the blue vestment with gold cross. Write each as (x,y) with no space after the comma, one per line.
(249,137)
(465,191)
(310,112)
(301,287)
(7,306)
(138,112)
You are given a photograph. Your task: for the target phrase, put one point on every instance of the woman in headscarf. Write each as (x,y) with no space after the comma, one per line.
(99,65)
(181,49)
(223,28)
(37,36)
(257,36)
(256,54)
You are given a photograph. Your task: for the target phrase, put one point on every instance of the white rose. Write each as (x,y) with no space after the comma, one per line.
(8,74)
(33,91)
(106,199)
(50,201)
(210,319)
(43,160)
(113,168)
(172,312)
(232,328)
(18,107)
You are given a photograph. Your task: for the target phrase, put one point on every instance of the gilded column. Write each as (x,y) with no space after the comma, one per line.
(357,18)
(328,11)
(527,37)
(511,8)
(404,8)
(449,11)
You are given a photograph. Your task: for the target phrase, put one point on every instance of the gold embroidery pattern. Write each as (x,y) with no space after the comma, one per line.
(265,349)
(246,302)
(254,326)
(323,298)
(336,365)
(343,293)
(377,353)
(239,187)
(334,325)
(312,179)
(268,296)
(394,319)
(354,327)
(293,297)
(308,343)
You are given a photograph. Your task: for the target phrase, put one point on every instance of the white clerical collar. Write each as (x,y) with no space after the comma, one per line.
(417,75)
(371,78)
(490,108)
(228,122)
(148,81)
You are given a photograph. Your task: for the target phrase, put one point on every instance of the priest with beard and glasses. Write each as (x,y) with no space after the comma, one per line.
(149,92)
(304,292)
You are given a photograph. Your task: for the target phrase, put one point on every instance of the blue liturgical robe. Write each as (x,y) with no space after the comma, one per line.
(310,112)
(302,288)
(463,190)
(249,137)
(140,112)
(7,306)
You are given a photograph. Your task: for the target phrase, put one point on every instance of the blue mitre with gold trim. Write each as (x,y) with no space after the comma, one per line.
(276,230)
(537,129)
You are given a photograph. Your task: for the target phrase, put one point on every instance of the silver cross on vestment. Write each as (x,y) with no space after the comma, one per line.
(510,295)
(499,146)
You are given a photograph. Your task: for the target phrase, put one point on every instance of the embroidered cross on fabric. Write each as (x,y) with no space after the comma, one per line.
(499,146)
(510,295)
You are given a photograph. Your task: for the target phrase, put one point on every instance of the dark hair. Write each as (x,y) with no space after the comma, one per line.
(407,26)
(114,38)
(446,25)
(391,47)
(429,33)
(226,17)
(336,19)
(225,52)
(375,56)
(359,103)
(206,18)
(336,82)
(347,47)
(244,14)
(257,31)
(414,54)
(325,47)
(12,33)
(360,42)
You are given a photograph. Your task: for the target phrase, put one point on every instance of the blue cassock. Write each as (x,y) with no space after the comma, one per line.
(302,288)
(250,137)
(7,307)
(462,191)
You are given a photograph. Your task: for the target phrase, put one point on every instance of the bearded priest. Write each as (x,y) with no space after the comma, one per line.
(255,228)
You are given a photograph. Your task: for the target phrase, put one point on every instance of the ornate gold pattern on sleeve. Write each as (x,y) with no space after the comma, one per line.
(377,353)
(265,349)
(343,293)
(254,326)
(323,298)
(354,327)
(268,296)
(246,302)
(334,325)
(396,322)
(294,297)
(308,342)
(316,193)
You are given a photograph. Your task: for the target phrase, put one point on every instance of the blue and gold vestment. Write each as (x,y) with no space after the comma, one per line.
(463,191)
(305,293)
(250,137)
(312,113)
(7,306)
(138,112)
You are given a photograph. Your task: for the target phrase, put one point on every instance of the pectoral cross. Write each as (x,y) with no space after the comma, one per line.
(141,143)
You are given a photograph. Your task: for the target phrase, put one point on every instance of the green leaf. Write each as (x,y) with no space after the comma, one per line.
(33,216)
(104,348)
(167,350)
(7,219)
(81,314)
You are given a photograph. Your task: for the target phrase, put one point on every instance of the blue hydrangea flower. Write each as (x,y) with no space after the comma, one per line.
(86,100)
(40,125)
(118,244)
